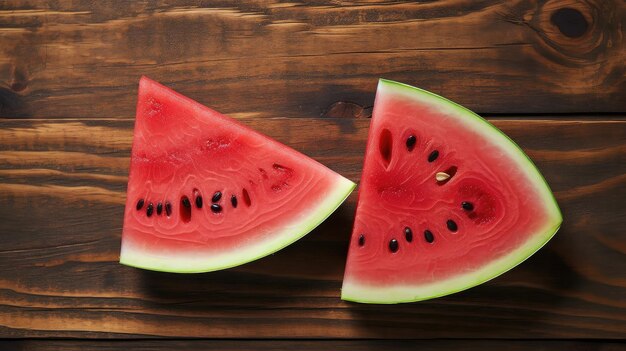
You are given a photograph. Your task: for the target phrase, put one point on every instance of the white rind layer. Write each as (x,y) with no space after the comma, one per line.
(353,290)
(132,255)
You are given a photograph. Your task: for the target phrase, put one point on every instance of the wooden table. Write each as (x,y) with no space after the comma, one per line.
(551,74)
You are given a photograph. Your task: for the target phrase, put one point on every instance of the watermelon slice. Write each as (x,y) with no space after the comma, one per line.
(446,202)
(206,192)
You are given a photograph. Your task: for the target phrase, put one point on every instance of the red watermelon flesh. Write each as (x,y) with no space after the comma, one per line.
(446,202)
(206,192)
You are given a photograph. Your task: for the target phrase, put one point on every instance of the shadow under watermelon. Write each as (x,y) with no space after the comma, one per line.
(521,303)
(298,275)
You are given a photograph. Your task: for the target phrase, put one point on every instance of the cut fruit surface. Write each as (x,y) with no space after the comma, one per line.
(446,201)
(206,192)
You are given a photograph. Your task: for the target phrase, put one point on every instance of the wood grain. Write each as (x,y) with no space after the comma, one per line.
(309,345)
(62,190)
(311,58)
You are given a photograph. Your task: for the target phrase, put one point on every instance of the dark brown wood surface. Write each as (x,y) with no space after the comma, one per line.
(300,59)
(308,345)
(550,73)
(62,186)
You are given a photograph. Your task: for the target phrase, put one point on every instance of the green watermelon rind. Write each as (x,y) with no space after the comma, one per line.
(186,263)
(411,293)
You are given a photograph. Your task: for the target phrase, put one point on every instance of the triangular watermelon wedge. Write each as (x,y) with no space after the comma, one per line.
(446,202)
(206,192)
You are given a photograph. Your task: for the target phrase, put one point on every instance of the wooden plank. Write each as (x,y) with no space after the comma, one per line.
(309,345)
(273,58)
(62,189)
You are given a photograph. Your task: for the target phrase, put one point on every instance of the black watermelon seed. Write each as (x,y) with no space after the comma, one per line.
(159,208)
(393,245)
(361,240)
(168,208)
(428,235)
(185,202)
(410,142)
(149,209)
(452,225)
(185,209)
(233,201)
(217,196)
(199,201)
(467,206)
(246,197)
(140,204)
(433,156)
(216,208)
(408,234)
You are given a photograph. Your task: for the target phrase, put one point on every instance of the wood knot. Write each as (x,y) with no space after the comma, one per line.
(346,109)
(18,86)
(20,79)
(570,22)
(575,32)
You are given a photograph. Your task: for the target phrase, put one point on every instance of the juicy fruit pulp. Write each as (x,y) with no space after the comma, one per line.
(446,202)
(206,192)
